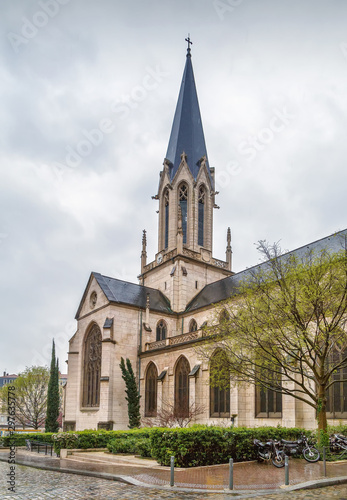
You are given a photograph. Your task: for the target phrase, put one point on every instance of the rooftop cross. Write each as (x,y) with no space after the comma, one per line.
(189,43)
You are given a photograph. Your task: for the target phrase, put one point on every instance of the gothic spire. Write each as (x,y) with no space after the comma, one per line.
(187,133)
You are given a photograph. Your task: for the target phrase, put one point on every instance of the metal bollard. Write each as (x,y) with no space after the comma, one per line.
(286,470)
(172,475)
(324,461)
(231,474)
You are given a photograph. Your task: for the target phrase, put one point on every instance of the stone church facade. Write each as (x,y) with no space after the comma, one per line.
(157,323)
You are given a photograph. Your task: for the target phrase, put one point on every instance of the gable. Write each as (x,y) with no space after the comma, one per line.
(121,292)
(92,291)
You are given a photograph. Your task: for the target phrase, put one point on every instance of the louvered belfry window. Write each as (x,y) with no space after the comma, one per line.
(92,368)
(183,199)
(167,207)
(201,215)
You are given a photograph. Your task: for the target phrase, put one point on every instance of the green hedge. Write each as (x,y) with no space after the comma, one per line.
(131,444)
(205,445)
(19,439)
(194,446)
(93,439)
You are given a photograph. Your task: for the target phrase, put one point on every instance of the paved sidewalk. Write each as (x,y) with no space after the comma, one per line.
(248,476)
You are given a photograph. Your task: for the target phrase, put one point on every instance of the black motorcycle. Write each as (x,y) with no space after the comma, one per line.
(301,445)
(269,451)
(338,444)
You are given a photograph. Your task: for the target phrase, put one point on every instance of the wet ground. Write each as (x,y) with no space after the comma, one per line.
(250,479)
(36,484)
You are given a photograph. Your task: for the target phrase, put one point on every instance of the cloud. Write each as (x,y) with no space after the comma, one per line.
(59,222)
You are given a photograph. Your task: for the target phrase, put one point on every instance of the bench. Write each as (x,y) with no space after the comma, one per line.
(31,444)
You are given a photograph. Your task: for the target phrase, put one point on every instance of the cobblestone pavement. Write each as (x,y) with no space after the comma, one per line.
(36,484)
(247,475)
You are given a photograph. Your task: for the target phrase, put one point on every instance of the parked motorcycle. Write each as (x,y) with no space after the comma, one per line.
(338,444)
(269,451)
(301,445)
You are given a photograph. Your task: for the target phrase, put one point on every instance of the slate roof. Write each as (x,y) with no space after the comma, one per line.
(187,133)
(124,292)
(227,287)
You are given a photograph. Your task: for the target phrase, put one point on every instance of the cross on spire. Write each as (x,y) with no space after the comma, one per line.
(189,43)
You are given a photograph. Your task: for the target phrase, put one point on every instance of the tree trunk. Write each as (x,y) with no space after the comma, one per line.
(322,410)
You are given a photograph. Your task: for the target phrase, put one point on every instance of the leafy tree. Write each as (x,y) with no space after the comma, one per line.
(53,396)
(30,392)
(132,395)
(286,329)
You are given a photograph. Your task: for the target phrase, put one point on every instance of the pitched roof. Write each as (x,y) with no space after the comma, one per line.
(124,292)
(187,133)
(227,287)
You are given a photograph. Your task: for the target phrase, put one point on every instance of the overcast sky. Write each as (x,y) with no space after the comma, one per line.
(88,92)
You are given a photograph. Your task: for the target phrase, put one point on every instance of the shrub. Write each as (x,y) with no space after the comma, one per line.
(92,438)
(208,445)
(134,445)
(19,439)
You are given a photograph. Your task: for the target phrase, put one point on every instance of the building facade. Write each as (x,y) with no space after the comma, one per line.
(158,323)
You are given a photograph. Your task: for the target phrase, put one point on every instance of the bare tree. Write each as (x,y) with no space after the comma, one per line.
(169,416)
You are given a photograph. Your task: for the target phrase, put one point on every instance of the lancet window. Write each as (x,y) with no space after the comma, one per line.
(182,388)
(92,368)
(337,393)
(161,330)
(151,391)
(219,386)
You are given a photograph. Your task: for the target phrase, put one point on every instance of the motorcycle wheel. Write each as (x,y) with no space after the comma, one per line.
(278,461)
(311,454)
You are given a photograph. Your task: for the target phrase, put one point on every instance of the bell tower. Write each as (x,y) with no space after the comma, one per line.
(186,196)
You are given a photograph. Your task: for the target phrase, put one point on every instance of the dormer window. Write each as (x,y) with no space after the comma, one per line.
(161,330)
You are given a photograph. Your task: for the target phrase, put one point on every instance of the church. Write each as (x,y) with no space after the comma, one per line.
(159,322)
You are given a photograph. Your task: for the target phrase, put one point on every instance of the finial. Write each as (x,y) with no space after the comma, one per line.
(229,236)
(144,238)
(189,44)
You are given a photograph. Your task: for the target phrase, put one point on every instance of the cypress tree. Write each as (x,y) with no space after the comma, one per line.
(53,397)
(133,396)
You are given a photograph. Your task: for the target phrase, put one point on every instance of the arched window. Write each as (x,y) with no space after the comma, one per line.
(161,330)
(268,403)
(219,385)
(92,367)
(151,391)
(193,325)
(337,393)
(201,215)
(182,387)
(166,230)
(183,200)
